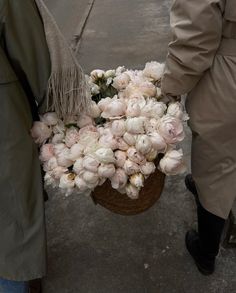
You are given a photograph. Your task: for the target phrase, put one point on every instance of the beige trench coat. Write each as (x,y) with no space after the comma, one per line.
(202,62)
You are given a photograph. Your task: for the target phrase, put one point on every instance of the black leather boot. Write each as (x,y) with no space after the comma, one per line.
(203,245)
(190,185)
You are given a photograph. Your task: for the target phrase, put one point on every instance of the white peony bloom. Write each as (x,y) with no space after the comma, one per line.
(106,170)
(118,127)
(176,110)
(103,103)
(132,191)
(154,70)
(58,138)
(131,167)
(97,74)
(122,145)
(58,172)
(95,89)
(120,70)
(90,164)
(172,163)
(171,129)
(120,157)
(136,156)
(153,109)
(67,181)
(129,138)
(59,128)
(119,179)
(133,109)
(135,125)
(50,164)
(40,132)
(137,180)
(76,151)
(58,148)
(105,155)
(63,158)
(72,136)
(107,140)
(148,168)
(49,180)
(88,136)
(81,184)
(151,125)
(78,166)
(147,89)
(84,120)
(143,144)
(50,118)
(94,110)
(158,142)
(135,98)
(121,81)
(110,74)
(115,108)
(91,179)
(46,152)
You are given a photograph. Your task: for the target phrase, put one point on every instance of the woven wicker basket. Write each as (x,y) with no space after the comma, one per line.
(117,203)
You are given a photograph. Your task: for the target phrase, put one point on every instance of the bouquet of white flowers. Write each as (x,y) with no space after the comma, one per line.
(118,139)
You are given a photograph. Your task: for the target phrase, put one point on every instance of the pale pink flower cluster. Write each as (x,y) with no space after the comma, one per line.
(79,155)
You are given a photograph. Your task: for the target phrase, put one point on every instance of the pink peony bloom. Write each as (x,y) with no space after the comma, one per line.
(172,163)
(121,81)
(120,157)
(131,167)
(119,179)
(76,151)
(143,144)
(81,184)
(106,170)
(171,129)
(129,138)
(154,70)
(103,103)
(136,156)
(84,120)
(58,172)
(72,136)
(40,132)
(118,127)
(158,142)
(122,145)
(46,152)
(90,164)
(148,168)
(108,141)
(50,118)
(116,108)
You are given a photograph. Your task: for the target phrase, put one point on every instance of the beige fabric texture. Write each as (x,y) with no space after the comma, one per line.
(68,92)
(201,62)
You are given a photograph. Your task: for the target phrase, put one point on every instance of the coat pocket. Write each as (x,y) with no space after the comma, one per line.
(230,10)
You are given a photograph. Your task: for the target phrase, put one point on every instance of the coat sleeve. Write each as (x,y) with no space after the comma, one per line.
(27,49)
(197,29)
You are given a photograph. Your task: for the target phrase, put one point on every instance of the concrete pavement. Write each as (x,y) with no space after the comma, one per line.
(92,250)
